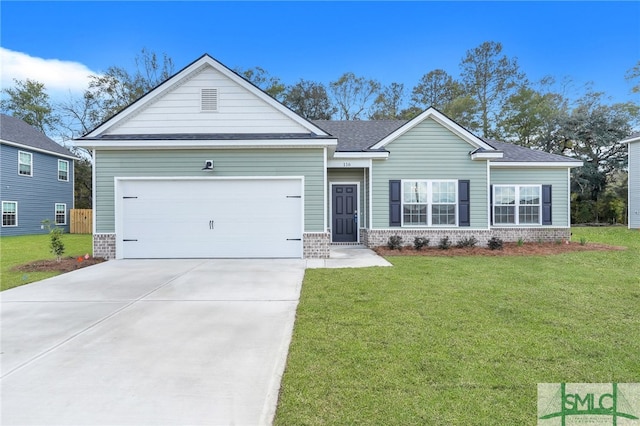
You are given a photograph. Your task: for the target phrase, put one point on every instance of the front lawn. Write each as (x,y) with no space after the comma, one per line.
(461,340)
(17,251)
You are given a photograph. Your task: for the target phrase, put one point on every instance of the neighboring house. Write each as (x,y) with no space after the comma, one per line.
(36,179)
(633,143)
(208,165)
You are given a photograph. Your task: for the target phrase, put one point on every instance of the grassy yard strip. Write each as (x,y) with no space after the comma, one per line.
(29,248)
(461,340)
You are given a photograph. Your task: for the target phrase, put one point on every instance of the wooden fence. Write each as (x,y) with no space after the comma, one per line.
(81,221)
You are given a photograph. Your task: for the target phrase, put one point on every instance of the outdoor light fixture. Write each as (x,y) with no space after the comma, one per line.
(208,166)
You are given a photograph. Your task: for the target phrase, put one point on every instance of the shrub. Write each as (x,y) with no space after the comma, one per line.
(467,242)
(420,242)
(444,243)
(55,237)
(395,242)
(495,243)
(583,241)
(520,242)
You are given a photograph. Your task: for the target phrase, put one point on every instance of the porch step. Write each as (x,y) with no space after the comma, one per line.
(350,244)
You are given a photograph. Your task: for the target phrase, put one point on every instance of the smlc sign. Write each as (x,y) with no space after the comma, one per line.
(588,403)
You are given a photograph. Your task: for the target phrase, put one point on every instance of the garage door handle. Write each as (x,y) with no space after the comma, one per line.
(294,239)
(212,224)
(125,240)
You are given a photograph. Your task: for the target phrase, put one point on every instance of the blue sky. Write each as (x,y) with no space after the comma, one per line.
(61,42)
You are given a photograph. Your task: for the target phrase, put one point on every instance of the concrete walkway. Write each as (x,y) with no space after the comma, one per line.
(154,342)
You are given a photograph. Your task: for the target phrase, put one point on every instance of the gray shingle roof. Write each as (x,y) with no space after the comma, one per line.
(15,130)
(356,135)
(517,153)
(634,137)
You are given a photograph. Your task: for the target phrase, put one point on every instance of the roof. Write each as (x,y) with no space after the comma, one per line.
(516,153)
(634,137)
(14,130)
(356,135)
(208,136)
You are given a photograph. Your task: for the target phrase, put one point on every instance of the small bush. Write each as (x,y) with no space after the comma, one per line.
(495,243)
(444,243)
(395,242)
(420,242)
(467,242)
(583,241)
(520,242)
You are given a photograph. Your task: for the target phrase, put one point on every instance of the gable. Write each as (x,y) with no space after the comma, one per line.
(233,106)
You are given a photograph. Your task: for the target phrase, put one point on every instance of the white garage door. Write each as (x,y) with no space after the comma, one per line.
(223,218)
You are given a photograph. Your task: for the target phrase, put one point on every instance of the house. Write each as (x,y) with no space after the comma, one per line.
(208,165)
(633,144)
(36,179)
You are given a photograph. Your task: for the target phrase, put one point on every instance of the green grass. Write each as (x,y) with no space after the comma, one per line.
(29,248)
(461,340)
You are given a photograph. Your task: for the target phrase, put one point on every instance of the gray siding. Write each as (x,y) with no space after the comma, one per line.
(36,195)
(429,151)
(173,163)
(557,177)
(350,175)
(634,185)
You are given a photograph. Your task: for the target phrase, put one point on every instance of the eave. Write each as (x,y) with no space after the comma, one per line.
(44,151)
(114,144)
(552,164)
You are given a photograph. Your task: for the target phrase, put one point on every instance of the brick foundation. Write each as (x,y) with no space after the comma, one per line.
(375,238)
(104,245)
(315,245)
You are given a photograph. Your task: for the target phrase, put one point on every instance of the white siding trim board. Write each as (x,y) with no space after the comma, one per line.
(199,144)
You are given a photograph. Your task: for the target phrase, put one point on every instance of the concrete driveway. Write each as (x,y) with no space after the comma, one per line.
(149,342)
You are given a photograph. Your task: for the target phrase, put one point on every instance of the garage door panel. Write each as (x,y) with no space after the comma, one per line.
(211,218)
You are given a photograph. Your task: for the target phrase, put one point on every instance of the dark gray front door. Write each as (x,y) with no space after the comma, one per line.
(344,216)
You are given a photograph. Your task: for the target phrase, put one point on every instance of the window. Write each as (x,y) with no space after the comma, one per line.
(429,203)
(9,213)
(25,163)
(63,170)
(516,204)
(61,214)
(209,100)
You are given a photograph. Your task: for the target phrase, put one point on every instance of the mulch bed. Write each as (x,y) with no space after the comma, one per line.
(66,264)
(509,249)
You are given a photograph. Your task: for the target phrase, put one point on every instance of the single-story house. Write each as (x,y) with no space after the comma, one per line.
(208,165)
(633,144)
(36,179)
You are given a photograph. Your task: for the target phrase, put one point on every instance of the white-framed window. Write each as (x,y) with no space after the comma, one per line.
(517,204)
(429,203)
(9,213)
(61,214)
(63,170)
(25,163)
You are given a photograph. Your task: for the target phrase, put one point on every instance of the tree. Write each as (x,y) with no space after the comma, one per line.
(28,100)
(353,95)
(436,89)
(273,86)
(388,103)
(310,100)
(633,76)
(527,115)
(489,78)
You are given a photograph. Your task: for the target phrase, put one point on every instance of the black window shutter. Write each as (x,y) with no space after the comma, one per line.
(546,205)
(464,203)
(395,203)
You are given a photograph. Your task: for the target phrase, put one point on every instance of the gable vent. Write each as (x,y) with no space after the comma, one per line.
(209,100)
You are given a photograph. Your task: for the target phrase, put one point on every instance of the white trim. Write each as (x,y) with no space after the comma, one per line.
(430,203)
(560,164)
(486,155)
(2,214)
(185,73)
(30,148)
(94,199)
(197,144)
(351,164)
(365,155)
(568,198)
(516,206)
(117,208)
(488,194)
(441,119)
(67,162)
(358,211)
(325,180)
(30,163)
(630,140)
(370,195)
(55,214)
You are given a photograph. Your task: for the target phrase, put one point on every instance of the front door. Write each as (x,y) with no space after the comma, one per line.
(344,213)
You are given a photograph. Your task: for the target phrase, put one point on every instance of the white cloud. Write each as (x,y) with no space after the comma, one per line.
(59,77)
